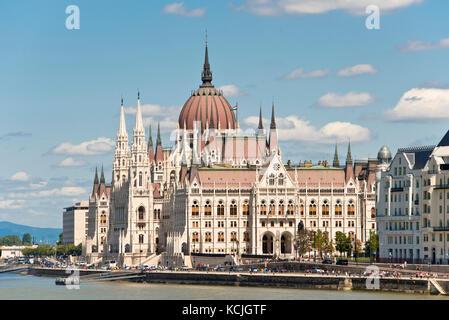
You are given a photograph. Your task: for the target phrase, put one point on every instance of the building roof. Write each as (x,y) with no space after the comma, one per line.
(421,155)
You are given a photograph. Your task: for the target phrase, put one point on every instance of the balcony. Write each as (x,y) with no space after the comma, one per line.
(397,189)
(441,228)
(442,186)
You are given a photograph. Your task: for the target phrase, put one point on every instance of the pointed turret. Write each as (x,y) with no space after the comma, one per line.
(273,120)
(122,126)
(260,119)
(159,157)
(139,122)
(349,170)
(349,155)
(102,180)
(336,162)
(150,146)
(273,144)
(206,75)
(95,188)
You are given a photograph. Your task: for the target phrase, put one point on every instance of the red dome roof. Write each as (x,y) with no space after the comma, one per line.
(207,105)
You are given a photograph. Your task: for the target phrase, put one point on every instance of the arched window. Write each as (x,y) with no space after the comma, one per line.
(245,236)
(290,208)
(338,209)
(351,209)
(325,208)
(220,236)
(281,179)
(272,209)
(245,208)
(263,208)
(195,208)
(103,219)
(195,237)
(373,213)
(312,208)
(301,209)
(233,208)
(140,179)
(141,212)
(141,237)
(271,180)
(207,208)
(233,236)
(208,237)
(220,208)
(281,208)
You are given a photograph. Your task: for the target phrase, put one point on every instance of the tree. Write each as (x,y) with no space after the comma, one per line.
(26,238)
(343,243)
(303,242)
(372,244)
(359,248)
(329,246)
(319,242)
(60,241)
(11,240)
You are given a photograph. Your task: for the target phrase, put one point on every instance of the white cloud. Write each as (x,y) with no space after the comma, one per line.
(356,70)
(38,185)
(70,162)
(293,129)
(12,204)
(153,114)
(418,45)
(357,7)
(179,9)
(421,104)
(98,146)
(65,192)
(231,90)
(20,176)
(299,73)
(351,99)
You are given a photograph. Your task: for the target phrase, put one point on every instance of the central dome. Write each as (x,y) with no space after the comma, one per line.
(207,105)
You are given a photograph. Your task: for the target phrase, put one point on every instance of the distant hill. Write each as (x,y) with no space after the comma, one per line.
(40,235)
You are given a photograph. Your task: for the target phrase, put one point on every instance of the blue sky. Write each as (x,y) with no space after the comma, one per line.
(61,88)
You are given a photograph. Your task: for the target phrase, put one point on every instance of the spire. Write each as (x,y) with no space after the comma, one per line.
(260,119)
(96,176)
(336,163)
(122,125)
(158,141)
(150,138)
(206,75)
(102,181)
(273,121)
(139,121)
(349,156)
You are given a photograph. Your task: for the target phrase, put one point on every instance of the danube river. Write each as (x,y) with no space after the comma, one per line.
(17,286)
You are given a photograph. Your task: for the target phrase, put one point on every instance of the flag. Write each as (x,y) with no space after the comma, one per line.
(234,108)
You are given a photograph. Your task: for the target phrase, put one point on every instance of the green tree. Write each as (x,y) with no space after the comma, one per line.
(372,245)
(329,246)
(343,243)
(26,238)
(11,240)
(319,242)
(303,242)
(60,241)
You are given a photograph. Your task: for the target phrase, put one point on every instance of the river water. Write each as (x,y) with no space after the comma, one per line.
(24,287)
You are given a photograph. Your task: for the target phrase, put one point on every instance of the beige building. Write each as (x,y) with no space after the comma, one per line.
(74,223)
(219,191)
(7,252)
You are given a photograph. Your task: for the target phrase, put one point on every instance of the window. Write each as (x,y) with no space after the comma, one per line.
(272,209)
(220,237)
(338,209)
(325,208)
(271,180)
(281,208)
(195,237)
(220,208)
(195,209)
(281,179)
(373,213)
(141,238)
(141,213)
(263,208)
(301,209)
(208,237)
(207,209)
(233,236)
(351,209)
(290,210)
(245,236)
(233,209)
(312,208)
(245,208)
